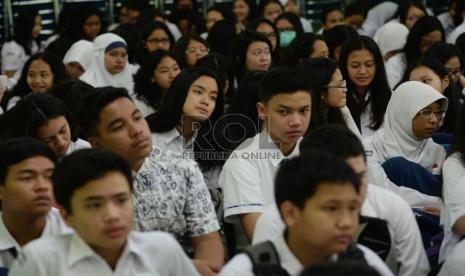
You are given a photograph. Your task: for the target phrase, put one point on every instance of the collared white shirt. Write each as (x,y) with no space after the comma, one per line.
(54,226)
(242,265)
(247,177)
(173,141)
(154,253)
(456,33)
(453,205)
(379,203)
(170,195)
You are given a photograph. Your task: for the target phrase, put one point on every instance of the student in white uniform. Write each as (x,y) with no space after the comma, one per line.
(317,195)
(188,124)
(408,256)
(94,189)
(447,17)
(404,147)
(247,176)
(391,39)
(459,22)
(306,45)
(169,192)
(153,79)
(46,118)
(26,191)
(78,58)
(454,264)
(329,92)
(14,53)
(41,72)
(331,17)
(453,204)
(368,92)
(109,65)
(154,35)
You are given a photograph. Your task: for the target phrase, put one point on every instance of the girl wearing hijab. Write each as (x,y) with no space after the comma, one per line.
(77,59)
(402,157)
(109,65)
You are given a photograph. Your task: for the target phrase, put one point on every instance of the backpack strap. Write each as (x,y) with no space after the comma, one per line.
(265,259)
(353,253)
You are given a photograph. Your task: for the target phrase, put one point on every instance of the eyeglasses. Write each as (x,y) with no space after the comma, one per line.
(455,72)
(158,40)
(428,114)
(193,50)
(342,85)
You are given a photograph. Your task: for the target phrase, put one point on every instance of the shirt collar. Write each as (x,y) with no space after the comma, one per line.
(287,259)
(6,240)
(265,139)
(174,134)
(80,250)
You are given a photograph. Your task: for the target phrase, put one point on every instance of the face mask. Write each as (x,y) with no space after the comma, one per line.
(286,37)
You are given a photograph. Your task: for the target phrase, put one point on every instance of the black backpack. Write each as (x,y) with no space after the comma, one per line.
(265,258)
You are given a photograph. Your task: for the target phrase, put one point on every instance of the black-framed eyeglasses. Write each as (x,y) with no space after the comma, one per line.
(342,85)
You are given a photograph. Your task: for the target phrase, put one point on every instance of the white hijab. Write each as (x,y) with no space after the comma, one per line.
(391,36)
(80,52)
(97,75)
(397,135)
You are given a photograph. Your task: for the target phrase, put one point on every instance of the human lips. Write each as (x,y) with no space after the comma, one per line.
(143,142)
(114,232)
(343,238)
(42,200)
(294,133)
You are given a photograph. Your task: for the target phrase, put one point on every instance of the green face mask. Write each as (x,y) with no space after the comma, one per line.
(286,37)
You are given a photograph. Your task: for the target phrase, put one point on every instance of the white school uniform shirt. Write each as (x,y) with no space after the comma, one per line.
(80,52)
(247,177)
(460,29)
(54,226)
(395,69)
(379,203)
(242,265)
(97,74)
(154,253)
(454,264)
(77,145)
(141,103)
(453,205)
(397,139)
(349,120)
(376,17)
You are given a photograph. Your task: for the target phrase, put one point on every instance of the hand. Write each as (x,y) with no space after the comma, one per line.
(205,268)
(432,211)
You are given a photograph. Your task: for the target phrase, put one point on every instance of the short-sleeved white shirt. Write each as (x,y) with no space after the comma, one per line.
(247,177)
(154,253)
(453,204)
(54,226)
(170,195)
(379,203)
(242,265)
(173,141)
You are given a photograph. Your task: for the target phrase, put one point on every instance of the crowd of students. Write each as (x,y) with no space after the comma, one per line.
(245,143)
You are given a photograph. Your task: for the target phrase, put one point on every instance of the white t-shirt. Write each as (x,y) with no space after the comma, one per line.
(379,203)
(247,177)
(154,253)
(453,204)
(242,265)
(54,226)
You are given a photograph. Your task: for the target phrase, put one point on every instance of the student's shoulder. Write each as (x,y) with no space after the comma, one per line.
(374,261)
(454,162)
(49,245)
(167,159)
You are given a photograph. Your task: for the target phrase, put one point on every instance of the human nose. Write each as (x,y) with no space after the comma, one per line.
(347,220)
(42,183)
(111,212)
(135,128)
(295,119)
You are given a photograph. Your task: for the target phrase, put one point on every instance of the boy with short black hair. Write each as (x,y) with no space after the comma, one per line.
(317,197)
(26,196)
(247,176)
(408,256)
(94,188)
(169,193)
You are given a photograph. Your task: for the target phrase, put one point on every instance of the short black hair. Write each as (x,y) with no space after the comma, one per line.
(356,8)
(298,178)
(282,81)
(333,139)
(93,104)
(16,150)
(328,10)
(82,166)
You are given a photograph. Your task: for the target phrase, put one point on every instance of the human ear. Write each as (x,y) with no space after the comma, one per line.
(445,83)
(261,108)
(95,142)
(290,213)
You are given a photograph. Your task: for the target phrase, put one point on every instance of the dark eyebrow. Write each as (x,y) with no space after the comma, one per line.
(119,120)
(97,198)
(198,86)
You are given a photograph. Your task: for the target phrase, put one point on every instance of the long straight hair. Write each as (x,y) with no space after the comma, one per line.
(380,91)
